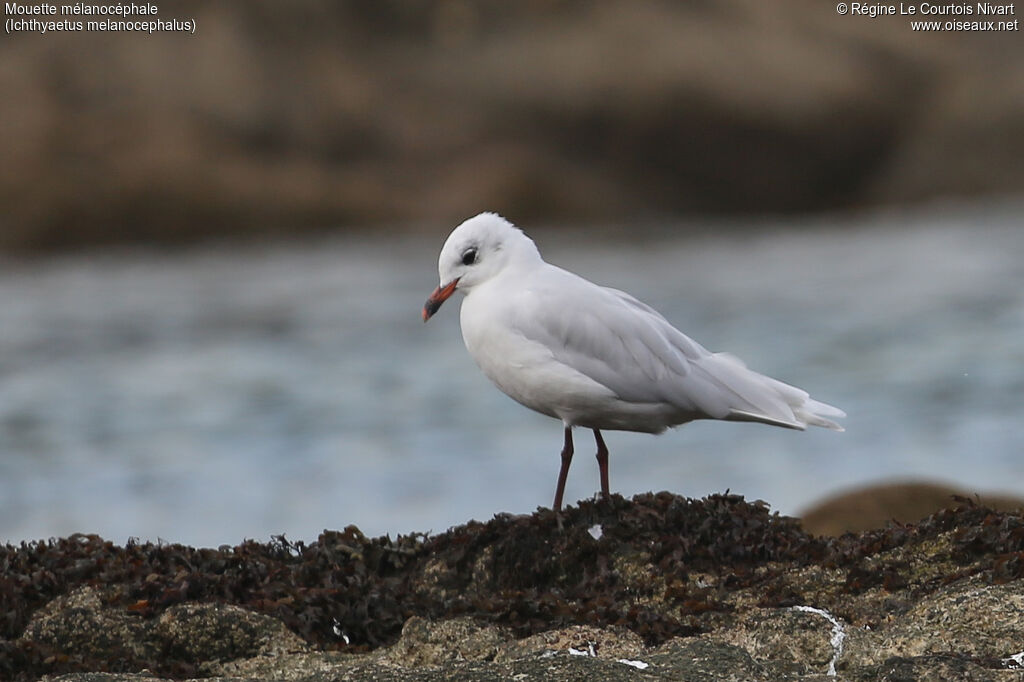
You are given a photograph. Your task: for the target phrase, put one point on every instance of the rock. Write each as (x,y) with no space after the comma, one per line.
(407,113)
(930,669)
(800,640)
(706,660)
(612,643)
(309,667)
(79,625)
(970,619)
(222,632)
(712,589)
(875,506)
(102,677)
(426,643)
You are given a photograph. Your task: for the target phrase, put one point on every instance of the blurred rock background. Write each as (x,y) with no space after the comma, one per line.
(875,506)
(277,118)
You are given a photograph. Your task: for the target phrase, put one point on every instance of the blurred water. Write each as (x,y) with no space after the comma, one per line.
(224,393)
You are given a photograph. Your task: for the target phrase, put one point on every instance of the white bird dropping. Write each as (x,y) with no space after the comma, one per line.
(592,356)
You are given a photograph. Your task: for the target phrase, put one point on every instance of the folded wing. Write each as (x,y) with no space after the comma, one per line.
(628,347)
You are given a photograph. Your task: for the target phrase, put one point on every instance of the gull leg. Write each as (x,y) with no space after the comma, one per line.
(602,463)
(563,473)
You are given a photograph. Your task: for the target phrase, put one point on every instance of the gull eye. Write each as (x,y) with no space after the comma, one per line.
(469,256)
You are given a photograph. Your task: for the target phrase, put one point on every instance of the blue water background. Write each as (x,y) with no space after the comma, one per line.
(228,392)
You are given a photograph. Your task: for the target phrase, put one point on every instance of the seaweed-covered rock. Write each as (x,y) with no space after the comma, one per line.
(671,588)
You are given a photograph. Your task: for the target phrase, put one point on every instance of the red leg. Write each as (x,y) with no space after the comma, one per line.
(602,463)
(563,473)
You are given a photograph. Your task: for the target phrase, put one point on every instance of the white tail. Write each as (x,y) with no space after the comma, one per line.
(770,401)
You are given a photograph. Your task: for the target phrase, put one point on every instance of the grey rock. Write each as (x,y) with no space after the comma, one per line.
(930,669)
(608,643)
(483,652)
(704,660)
(967,619)
(800,639)
(216,632)
(303,666)
(103,677)
(78,624)
(561,667)
(424,643)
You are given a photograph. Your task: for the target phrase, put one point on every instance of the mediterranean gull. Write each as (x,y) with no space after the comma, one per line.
(592,356)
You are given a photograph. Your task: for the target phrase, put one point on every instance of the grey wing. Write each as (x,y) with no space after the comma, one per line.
(619,342)
(630,348)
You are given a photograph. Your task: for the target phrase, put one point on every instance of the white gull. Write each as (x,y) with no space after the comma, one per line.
(592,356)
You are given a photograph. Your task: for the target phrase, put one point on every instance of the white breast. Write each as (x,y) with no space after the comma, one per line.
(528,372)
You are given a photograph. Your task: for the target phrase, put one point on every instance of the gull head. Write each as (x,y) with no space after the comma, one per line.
(476,251)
